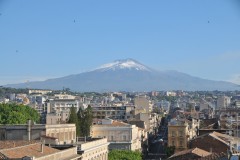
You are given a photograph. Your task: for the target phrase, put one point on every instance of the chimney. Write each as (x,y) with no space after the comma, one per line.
(42,147)
(29,130)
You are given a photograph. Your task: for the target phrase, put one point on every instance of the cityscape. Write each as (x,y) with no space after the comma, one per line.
(119,80)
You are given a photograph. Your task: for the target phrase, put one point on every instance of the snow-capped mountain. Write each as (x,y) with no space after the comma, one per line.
(128,75)
(129,64)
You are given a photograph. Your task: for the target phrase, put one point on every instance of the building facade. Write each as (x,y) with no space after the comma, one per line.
(120,135)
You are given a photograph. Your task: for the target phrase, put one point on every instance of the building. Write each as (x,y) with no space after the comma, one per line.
(120,112)
(151,120)
(92,148)
(142,104)
(223,102)
(180,132)
(195,153)
(120,135)
(214,142)
(35,91)
(52,134)
(60,108)
(35,151)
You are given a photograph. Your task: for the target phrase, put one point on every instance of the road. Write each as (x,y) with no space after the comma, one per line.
(157,149)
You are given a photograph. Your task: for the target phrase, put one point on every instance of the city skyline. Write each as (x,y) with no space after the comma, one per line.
(42,40)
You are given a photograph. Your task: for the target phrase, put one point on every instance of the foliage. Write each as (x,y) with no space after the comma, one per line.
(5,91)
(124,155)
(170,150)
(85,118)
(73,118)
(17,114)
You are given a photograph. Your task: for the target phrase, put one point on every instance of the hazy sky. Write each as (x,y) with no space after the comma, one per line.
(53,38)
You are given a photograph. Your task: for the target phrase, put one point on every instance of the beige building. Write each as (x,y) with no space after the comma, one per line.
(52,134)
(151,120)
(180,132)
(223,102)
(120,135)
(93,148)
(114,111)
(142,104)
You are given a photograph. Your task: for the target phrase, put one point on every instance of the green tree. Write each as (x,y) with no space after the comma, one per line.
(80,116)
(85,118)
(124,155)
(17,114)
(88,119)
(170,150)
(73,118)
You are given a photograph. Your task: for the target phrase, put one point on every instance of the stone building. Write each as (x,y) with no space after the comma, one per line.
(120,135)
(92,148)
(52,134)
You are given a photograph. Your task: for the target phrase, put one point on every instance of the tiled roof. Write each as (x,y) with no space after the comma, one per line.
(215,156)
(197,151)
(28,150)
(118,123)
(16,143)
(221,137)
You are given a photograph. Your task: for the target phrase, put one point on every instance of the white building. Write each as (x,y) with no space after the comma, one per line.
(120,135)
(223,102)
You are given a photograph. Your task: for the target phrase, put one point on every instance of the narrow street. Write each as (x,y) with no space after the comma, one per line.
(158,142)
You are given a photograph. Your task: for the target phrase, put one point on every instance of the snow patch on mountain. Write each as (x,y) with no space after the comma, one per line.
(124,64)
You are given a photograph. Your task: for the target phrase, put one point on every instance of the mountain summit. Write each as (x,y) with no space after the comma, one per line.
(129,64)
(128,75)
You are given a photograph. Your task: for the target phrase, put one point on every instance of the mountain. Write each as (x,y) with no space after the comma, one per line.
(128,75)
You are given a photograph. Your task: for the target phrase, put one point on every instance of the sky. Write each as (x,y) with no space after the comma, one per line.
(48,39)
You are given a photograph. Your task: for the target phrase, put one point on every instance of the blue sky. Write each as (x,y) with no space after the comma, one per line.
(47,39)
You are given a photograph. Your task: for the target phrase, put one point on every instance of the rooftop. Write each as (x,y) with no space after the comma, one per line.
(31,150)
(196,151)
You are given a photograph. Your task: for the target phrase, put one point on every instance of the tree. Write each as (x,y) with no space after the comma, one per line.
(170,151)
(124,155)
(17,114)
(88,120)
(73,118)
(85,118)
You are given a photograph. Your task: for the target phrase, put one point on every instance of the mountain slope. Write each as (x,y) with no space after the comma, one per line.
(128,75)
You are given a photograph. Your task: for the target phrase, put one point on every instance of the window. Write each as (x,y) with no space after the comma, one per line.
(180,143)
(180,133)
(124,138)
(173,133)
(173,144)
(111,138)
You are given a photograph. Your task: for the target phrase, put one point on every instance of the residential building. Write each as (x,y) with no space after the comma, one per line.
(195,153)
(180,132)
(120,135)
(36,151)
(52,134)
(215,142)
(114,111)
(92,148)
(60,108)
(223,102)
(142,104)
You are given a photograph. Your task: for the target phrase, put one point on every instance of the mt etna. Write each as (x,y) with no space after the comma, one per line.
(128,75)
